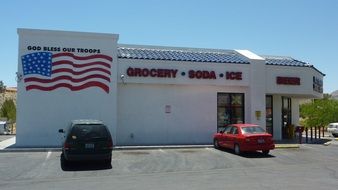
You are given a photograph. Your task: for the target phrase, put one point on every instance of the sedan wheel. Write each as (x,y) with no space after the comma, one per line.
(216,144)
(266,152)
(237,149)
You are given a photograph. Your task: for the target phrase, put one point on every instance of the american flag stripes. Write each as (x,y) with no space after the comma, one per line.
(46,71)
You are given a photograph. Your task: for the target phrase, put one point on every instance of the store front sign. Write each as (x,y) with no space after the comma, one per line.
(317,85)
(145,72)
(202,74)
(172,73)
(234,75)
(288,80)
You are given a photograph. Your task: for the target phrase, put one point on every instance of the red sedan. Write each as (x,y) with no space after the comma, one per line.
(244,138)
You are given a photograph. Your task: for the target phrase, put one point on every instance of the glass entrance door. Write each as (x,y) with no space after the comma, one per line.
(269,114)
(286,117)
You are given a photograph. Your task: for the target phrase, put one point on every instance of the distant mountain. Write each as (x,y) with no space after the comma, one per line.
(335,94)
(10,93)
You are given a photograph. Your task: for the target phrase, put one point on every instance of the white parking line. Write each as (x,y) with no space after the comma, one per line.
(48,155)
(161,150)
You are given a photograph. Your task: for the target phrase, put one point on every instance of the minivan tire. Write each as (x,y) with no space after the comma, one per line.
(64,162)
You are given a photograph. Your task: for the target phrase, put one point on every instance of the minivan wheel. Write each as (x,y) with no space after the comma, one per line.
(107,161)
(216,144)
(237,149)
(64,162)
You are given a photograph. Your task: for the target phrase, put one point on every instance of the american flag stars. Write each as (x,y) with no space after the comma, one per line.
(37,63)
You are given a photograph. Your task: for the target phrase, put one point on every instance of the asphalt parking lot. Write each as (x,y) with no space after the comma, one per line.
(309,167)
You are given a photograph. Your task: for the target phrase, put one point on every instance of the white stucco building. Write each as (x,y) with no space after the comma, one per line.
(149,95)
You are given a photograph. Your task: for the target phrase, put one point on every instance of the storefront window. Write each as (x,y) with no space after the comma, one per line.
(230,109)
(269,114)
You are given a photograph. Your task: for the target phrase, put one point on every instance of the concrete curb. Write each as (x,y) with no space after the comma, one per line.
(286,146)
(161,147)
(31,150)
(121,148)
(116,148)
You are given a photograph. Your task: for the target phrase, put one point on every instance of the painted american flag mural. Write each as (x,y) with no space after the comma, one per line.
(48,71)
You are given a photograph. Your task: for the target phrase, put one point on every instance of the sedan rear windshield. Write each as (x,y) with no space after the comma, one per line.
(252,130)
(86,132)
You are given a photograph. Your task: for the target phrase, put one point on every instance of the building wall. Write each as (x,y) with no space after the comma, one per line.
(305,74)
(295,111)
(41,113)
(142,117)
(149,110)
(277,117)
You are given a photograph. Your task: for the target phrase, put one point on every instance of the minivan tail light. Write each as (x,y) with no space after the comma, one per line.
(66,146)
(110,144)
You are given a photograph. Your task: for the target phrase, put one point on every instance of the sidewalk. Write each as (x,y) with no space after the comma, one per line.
(9,141)
(8,145)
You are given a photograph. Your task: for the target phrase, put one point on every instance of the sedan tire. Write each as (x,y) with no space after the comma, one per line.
(265,152)
(216,144)
(237,149)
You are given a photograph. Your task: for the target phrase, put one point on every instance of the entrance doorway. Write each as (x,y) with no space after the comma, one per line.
(269,114)
(286,117)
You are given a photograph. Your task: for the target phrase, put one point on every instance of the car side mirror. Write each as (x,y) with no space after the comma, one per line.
(221,132)
(61,131)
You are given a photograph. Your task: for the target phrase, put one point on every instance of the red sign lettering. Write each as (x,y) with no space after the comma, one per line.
(202,74)
(145,72)
(288,80)
(234,75)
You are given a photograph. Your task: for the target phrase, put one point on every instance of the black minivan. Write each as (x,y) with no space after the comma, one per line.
(87,140)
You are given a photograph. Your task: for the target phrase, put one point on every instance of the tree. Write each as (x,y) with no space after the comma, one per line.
(2,87)
(327,96)
(8,110)
(319,113)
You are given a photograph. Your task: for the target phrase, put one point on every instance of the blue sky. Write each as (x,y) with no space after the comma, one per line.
(303,29)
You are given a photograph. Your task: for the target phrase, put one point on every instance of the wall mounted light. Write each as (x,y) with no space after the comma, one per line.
(18,77)
(122,78)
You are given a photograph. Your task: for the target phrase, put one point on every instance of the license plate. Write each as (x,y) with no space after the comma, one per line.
(261,141)
(89,146)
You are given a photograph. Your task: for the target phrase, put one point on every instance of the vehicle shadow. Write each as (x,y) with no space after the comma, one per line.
(249,154)
(84,165)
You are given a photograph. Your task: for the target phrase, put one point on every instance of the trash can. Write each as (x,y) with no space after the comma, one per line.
(299,131)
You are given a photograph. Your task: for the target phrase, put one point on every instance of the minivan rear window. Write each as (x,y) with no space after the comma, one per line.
(86,132)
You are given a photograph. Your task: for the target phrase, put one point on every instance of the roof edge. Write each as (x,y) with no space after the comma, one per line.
(171,48)
(250,55)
